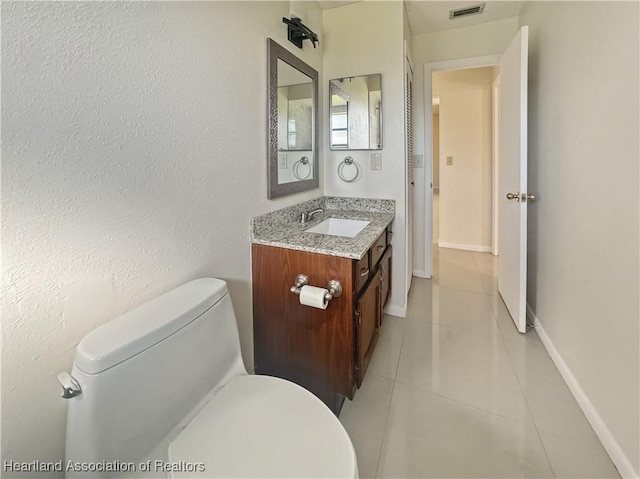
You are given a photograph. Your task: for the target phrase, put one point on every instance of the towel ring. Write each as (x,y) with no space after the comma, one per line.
(296,168)
(348,161)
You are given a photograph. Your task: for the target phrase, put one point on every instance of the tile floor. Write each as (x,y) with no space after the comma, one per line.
(455,391)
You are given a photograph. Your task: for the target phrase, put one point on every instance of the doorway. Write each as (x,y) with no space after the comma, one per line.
(462,166)
(429,69)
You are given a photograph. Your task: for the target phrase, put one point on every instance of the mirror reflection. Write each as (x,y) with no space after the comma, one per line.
(356,113)
(292,119)
(295,124)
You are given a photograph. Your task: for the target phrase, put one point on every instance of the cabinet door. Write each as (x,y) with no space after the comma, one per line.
(308,346)
(368,318)
(385,280)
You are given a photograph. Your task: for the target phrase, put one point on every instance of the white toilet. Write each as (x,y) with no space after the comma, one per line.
(164,393)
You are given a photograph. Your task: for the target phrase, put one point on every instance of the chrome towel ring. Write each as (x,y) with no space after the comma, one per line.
(348,161)
(296,168)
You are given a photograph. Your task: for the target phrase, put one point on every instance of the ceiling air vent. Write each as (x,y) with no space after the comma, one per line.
(463,12)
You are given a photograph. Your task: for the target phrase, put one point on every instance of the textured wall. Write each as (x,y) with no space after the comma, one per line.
(133,156)
(583,260)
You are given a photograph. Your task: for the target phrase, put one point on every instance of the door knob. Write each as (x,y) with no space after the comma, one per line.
(513,196)
(524,197)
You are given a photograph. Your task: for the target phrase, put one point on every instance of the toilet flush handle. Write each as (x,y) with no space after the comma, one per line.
(70,386)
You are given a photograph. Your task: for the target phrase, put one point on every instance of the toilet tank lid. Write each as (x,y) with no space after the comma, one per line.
(146,325)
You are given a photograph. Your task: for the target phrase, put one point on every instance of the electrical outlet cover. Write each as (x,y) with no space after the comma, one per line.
(282,160)
(376,161)
(418,161)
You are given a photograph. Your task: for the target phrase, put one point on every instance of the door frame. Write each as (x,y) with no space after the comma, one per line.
(429,68)
(495,156)
(409,190)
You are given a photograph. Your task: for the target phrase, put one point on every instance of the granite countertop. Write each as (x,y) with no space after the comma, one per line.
(293,235)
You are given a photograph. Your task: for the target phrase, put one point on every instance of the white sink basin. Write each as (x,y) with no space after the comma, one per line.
(339,227)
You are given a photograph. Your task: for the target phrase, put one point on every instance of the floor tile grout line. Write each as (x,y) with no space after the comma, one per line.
(526,401)
(462,289)
(533,419)
(404,334)
(480,272)
(457,401)
(513,368)
(418,314)
(502,339)
(495,319)
(386,422)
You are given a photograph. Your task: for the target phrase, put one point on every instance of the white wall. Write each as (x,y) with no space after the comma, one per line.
(583,230)
(474,41)
(134,154)
(375,46)
(465,135)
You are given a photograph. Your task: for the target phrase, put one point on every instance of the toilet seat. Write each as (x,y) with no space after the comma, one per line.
(264,427)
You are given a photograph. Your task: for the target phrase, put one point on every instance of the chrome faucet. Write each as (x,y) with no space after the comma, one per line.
(304,217)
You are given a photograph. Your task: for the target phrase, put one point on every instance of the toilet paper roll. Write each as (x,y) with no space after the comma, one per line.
(314,297)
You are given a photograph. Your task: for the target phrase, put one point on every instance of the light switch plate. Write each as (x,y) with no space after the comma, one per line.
(449,160)
(376,161)
(418,161)
(282,160)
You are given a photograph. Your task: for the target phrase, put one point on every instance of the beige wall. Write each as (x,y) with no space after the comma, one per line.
(479,40)
(465,135)
(375,46)
(436,152)
(583,230)
(133,155)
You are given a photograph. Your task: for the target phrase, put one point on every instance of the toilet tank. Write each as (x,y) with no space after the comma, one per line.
(143,372)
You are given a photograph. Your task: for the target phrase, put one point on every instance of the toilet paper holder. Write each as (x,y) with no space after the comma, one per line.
(334,287)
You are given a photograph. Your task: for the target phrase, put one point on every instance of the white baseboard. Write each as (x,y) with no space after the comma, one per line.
(398,311)
(420,273)
(617,455)
(466,247)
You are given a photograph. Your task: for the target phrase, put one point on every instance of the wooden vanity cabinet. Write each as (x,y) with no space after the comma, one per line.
(385,280)
(367,315)
(326,351)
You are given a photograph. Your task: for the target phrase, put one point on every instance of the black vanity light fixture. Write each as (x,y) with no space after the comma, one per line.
(297,32)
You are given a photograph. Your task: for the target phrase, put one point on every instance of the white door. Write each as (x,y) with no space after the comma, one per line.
(409,153)
(512,182)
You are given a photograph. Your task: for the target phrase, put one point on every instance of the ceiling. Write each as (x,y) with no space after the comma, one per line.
(427,16)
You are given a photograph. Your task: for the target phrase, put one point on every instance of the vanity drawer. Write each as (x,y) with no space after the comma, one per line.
(361,271)
(377,250)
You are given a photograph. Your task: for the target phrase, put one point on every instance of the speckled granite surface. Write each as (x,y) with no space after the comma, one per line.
(282,227)
(371,205)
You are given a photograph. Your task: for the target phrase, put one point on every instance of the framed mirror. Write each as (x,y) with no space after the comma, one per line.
(293,123)
(356,113)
